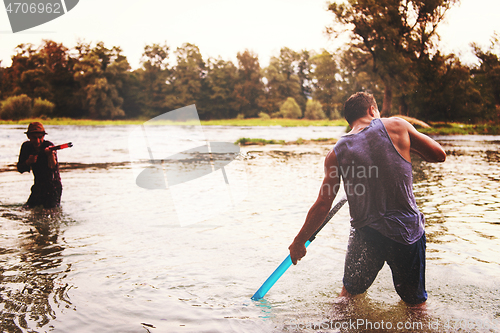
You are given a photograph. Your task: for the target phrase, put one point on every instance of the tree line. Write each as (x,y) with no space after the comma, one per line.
(393,54)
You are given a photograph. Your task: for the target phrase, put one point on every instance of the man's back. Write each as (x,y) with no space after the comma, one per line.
(379,184)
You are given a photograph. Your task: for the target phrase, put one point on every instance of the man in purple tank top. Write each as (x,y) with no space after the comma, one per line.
(373,160)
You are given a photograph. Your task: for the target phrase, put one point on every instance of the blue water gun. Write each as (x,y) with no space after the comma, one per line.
(271,280)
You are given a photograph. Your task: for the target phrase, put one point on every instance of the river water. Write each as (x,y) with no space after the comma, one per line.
(117,257)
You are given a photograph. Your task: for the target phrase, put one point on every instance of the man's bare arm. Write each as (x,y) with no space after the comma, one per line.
(424,146)
(319,210)
(407,139)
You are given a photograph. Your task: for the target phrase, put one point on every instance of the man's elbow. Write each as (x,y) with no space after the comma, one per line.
(22,168)
(442,157)
(439,156)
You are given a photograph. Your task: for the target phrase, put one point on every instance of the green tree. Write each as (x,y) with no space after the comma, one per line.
(100,72)
(290,109)
(45,72)
(59,74)
(445,91)
(273,96)
(16,107)
(249,88)
(487,78)
(283,80)
(314,110)
(219,97)
(3,83)
(395,33)
(326,82)
(185,84)
(355,69)
(132,92)
(304,67)
(27,74)
(42,108)
(148,84)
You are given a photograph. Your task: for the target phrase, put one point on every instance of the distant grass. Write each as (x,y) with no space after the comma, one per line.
(438,128)
(322,139)
(461,129)
(221,122)
(70,121)
(299,141)
(260,142)
(274,122)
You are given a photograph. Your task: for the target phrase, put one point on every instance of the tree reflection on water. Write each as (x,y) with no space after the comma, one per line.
(31,268)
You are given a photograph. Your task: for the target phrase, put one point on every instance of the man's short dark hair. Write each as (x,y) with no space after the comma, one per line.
(357,105)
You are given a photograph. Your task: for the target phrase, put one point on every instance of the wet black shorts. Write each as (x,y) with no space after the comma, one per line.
(46,194)
(367,252)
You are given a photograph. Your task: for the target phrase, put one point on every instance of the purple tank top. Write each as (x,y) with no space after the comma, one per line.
(378,182)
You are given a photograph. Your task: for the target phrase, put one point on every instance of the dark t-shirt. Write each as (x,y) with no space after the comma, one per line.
(47,188)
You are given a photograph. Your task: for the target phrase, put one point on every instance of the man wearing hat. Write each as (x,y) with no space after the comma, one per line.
(35,155)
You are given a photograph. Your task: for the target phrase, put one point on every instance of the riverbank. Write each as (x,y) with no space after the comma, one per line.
(299,141)
(437,128)
(461,129)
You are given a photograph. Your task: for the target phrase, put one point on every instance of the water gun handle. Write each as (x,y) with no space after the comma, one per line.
(271,280)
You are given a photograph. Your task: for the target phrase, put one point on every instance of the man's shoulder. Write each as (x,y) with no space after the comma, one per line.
(395,121)
(331,158)
(26,145)
(395,124)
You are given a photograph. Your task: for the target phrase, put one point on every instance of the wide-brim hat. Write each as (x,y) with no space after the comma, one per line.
(35,127)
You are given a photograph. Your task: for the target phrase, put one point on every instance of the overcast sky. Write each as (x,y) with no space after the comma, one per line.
(226,27)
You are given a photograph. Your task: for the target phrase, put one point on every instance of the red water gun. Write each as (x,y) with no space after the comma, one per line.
(64,145)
